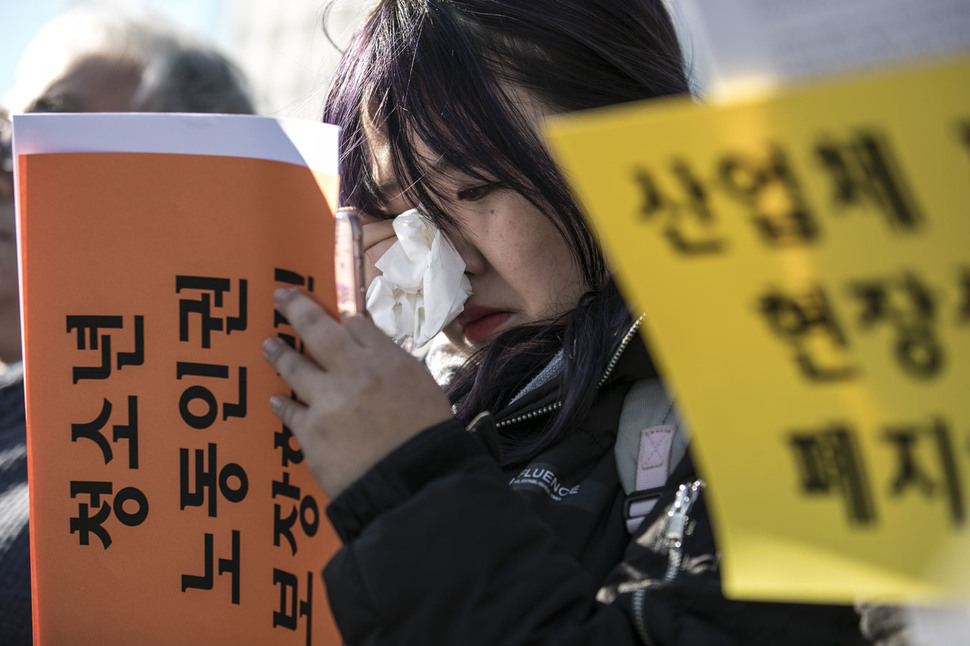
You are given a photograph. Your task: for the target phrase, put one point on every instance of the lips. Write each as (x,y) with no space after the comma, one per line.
(479,323)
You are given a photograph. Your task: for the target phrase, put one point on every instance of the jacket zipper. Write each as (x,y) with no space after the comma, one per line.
(639,595)
(620,350)
(556,405)
(677,518)
(676,524)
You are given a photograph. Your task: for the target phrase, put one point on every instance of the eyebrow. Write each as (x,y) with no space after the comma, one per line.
(441,165)
(393,188)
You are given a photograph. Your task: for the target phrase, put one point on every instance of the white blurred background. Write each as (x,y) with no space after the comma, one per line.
(281,45)
(730,45)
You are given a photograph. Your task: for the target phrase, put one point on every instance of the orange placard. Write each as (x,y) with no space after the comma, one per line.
(168,505)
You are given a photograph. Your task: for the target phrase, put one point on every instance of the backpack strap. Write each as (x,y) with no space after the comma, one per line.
(650,441)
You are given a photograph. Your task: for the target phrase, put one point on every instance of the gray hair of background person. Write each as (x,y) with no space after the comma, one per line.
(179,71)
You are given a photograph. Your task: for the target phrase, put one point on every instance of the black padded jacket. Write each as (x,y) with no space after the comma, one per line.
(442,546)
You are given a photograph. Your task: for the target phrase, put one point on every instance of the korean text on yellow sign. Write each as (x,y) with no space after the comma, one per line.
(803,261)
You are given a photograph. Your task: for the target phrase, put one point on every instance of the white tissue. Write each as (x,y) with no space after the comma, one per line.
(424,286)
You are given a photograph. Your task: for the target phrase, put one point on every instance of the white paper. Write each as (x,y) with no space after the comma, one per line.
(295,141)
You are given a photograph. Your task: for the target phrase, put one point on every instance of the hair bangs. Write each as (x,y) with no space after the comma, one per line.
(413,78)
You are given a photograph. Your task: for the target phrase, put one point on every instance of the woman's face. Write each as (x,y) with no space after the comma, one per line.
(521,270)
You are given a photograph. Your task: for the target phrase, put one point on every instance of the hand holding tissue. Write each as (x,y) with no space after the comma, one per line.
(423,286)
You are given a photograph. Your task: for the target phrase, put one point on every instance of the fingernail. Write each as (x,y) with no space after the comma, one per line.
(282,293)
(270,346)
(275,403)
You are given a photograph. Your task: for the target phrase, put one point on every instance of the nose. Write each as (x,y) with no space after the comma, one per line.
(475,262)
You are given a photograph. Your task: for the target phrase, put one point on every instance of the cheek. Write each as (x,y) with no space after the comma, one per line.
(546,274)
(371,255)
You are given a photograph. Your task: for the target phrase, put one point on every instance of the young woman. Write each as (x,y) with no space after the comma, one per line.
(492,512)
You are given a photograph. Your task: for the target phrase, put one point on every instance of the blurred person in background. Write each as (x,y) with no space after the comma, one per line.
(97,57)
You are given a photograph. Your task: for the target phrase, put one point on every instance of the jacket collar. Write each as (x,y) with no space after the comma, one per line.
(629,361)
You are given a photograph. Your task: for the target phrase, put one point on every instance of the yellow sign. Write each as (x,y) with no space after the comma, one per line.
(803,261)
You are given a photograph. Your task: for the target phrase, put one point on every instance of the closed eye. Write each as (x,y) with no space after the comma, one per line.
(475,193)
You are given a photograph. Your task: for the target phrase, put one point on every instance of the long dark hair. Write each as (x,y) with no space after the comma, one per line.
(439,72)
